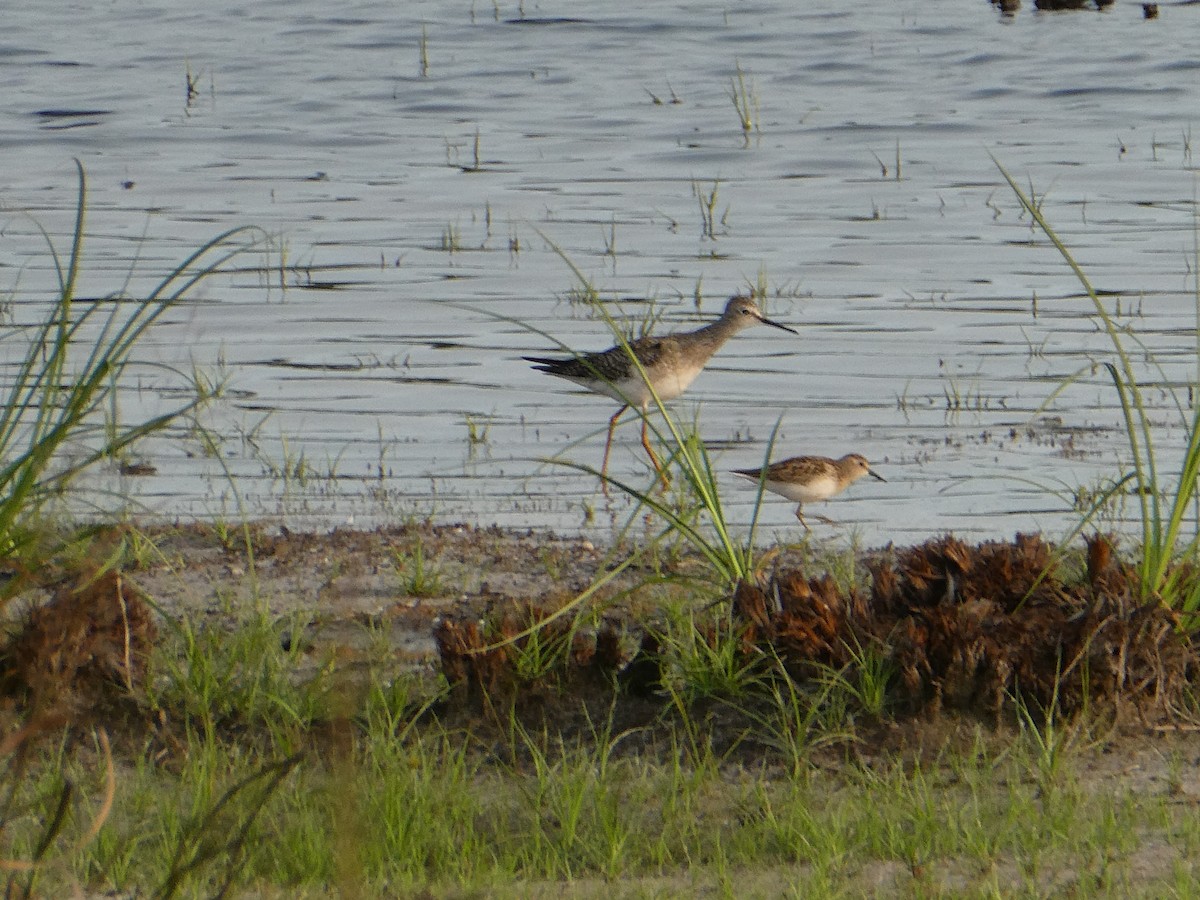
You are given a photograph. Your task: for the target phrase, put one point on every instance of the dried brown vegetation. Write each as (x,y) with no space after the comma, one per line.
(85,648)
(489,659)
(974,628)
(965,627)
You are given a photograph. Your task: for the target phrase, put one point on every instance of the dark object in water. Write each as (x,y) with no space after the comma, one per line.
(1058,5)
(1149,10)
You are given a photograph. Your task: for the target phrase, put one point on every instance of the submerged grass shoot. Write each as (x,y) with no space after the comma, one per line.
(745,101)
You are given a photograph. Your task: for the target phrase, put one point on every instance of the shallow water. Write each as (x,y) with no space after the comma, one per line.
(406,278)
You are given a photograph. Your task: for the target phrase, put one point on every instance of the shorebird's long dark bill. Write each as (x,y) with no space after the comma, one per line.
(875,474)
(767,321)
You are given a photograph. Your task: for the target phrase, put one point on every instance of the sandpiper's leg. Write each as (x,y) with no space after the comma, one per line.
(800,516)
(612,424)
(662,473)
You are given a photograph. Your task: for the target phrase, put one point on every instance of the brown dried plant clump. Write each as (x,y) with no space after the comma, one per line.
(975,628)
(85,648)
(523,647)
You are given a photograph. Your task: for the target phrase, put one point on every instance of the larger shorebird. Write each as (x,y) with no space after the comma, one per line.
(671,363)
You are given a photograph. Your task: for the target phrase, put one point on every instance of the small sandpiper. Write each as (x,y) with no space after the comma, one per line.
(671,364)
(807,479)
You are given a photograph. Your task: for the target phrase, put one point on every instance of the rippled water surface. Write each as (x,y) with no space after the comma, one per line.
(373,352)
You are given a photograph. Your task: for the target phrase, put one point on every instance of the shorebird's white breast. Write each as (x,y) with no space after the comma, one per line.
(668,383)
(822,487)
(623,391)
(673,381)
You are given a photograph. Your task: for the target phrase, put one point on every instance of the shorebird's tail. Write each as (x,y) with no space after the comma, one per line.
(545,363)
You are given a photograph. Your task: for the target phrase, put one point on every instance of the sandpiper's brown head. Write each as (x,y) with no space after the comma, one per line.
(743,312)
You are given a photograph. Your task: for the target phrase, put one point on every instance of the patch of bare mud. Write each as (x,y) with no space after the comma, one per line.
(348,591)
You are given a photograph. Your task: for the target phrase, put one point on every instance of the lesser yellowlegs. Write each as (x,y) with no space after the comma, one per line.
(806,479)
(671,363)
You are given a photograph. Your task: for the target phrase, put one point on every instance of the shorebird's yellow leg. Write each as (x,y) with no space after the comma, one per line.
(658,467)
(612,424)
(800,516)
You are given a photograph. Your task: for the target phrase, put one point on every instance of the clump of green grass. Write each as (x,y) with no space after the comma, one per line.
(247,674)
(706,659)
(418,577)
(1164,507)
(69,373)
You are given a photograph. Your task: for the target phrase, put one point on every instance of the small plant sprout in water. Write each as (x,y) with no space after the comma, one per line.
(658,101)
(962,397)
(451,238)
(745,101)
(477,430)
(191,87)
(454,155)
(583,294)
(283,246)
(883,169)
(760,287)
(423,65)
(708,209)
(191,83)
(610,242)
